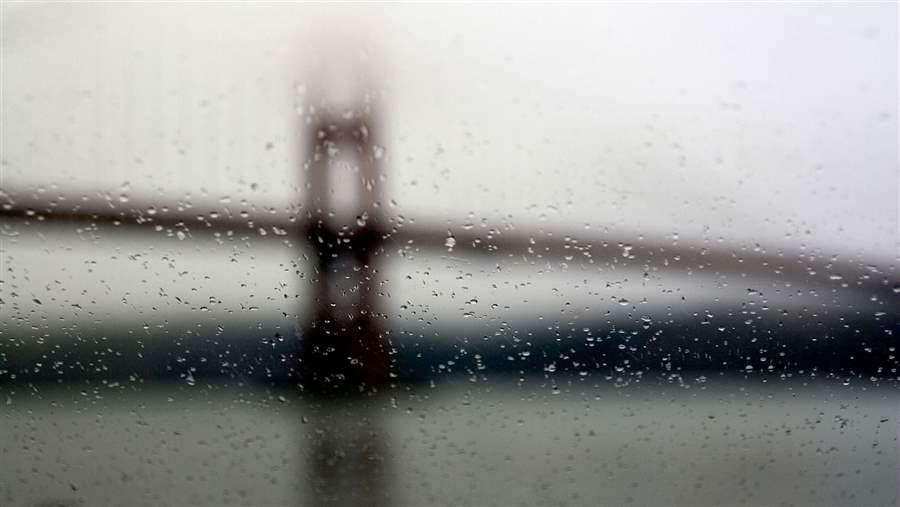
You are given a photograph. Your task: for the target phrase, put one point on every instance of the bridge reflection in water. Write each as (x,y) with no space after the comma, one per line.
(505,442)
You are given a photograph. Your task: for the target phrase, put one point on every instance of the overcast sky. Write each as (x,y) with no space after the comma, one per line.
(770,123)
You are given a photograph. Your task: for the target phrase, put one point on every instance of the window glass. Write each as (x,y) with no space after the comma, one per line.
(511,254)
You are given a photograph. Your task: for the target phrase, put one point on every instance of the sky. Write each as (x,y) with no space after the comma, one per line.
(770,122)
(762,123)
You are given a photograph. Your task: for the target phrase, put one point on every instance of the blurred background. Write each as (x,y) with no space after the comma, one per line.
(338,254)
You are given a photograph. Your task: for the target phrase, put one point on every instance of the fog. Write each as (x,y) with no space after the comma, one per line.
(755,123)
(280,253)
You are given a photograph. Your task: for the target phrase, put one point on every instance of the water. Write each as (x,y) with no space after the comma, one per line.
(502,442)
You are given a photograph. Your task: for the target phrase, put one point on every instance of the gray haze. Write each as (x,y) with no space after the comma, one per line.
(771,123)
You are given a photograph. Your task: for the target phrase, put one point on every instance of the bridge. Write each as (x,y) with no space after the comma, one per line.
(345,347)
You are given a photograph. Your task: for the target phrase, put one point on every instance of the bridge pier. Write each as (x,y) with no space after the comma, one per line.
(345,347)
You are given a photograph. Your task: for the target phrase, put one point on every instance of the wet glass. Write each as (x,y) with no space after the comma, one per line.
(288,253)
